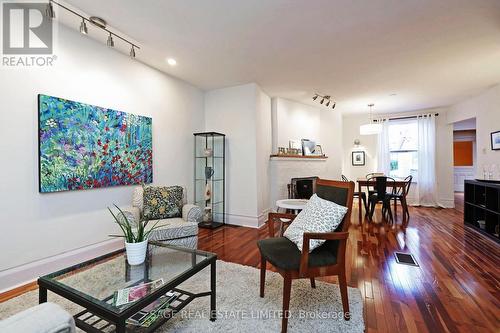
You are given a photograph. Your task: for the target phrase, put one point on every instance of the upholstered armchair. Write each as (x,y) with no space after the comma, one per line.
(179,231)
(326,260)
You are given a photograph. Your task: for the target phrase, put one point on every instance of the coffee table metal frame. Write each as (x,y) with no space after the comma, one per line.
(113,315)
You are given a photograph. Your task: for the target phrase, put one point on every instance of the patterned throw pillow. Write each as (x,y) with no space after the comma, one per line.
(318,215)
(161,202)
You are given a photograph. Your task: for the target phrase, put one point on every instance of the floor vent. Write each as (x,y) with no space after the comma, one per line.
(405,259)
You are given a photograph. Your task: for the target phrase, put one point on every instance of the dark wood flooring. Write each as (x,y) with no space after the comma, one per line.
(455,289)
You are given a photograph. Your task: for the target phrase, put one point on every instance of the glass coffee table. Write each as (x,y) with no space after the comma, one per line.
(92,285)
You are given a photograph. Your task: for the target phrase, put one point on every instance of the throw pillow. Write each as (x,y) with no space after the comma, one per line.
(318,215)
(162,202)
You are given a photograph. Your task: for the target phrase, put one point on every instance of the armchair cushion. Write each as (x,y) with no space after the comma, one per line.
(161,202)
(174,228)
(319,215)
(284,254)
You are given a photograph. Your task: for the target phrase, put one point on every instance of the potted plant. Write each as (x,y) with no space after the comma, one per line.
(135,235)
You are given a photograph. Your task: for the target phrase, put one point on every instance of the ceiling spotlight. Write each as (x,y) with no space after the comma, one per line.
(171,61)
(49,11)
(327,99)
(110,42)
(132,52)
(83,28)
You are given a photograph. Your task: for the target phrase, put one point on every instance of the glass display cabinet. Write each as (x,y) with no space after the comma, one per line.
(209,177)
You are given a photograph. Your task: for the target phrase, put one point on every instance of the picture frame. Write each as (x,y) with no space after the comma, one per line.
(495,140)
(318,150)
(308,147)
(358,158)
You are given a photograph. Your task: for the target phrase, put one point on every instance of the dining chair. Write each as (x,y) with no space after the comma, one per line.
(379,193)
(360,195)
(400,194)
(326,260)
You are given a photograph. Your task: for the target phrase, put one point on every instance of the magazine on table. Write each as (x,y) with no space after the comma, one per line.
(153,311)
(132,294)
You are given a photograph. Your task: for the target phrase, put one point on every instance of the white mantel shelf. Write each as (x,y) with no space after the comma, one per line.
(298,158)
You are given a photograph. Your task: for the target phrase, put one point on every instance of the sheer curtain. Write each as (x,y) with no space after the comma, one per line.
(383,152)
(426,182)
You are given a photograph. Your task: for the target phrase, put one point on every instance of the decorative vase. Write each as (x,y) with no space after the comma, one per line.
(136,252)
(208,152)
(209,172)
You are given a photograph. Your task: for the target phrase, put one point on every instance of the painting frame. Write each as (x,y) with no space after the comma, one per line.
(495,140)
(358,158)
(145,139)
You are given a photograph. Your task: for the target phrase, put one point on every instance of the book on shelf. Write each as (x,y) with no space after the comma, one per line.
(132,294)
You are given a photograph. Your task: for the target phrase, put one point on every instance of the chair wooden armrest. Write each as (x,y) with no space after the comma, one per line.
(304,260)
(272,217)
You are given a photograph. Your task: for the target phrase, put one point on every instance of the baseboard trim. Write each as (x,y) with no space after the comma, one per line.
(19,276)
(242,220)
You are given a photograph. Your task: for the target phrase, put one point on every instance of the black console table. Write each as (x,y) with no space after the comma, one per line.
(482,207)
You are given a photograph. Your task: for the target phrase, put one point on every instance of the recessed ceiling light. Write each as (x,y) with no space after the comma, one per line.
(393,94)
(171,61)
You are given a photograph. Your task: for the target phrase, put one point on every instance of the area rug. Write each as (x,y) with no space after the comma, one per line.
(239,307)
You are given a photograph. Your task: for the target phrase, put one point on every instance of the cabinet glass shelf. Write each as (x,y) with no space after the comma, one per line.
(209,177)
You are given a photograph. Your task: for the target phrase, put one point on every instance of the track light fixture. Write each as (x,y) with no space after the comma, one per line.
(95,21)
(110,42)
(49,11)
(326,98)
(83,27)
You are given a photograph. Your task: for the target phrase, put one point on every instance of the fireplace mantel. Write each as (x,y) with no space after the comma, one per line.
(298,157)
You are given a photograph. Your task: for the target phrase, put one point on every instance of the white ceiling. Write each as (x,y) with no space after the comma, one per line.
(429,52)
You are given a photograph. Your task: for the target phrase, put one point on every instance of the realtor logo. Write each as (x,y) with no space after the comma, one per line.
(26,30)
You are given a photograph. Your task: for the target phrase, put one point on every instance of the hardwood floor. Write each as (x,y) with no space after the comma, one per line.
(455,289)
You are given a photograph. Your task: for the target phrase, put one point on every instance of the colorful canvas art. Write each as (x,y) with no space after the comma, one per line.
(82,146)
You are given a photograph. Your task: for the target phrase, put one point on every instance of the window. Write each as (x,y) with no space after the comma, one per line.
(403,147)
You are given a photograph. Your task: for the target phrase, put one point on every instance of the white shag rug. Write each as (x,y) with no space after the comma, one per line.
(239,307)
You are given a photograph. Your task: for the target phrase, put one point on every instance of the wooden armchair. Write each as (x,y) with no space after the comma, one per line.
(326,260)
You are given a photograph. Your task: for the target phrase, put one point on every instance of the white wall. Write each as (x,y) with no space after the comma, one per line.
(484,108)
(36,226)
(368,144)
(264,149)
(444,151)
(242,114)
(296,121)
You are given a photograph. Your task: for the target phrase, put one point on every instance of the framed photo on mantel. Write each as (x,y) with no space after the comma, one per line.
(495,140)
(358,158)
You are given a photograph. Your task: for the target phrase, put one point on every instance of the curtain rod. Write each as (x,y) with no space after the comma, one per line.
(402,118)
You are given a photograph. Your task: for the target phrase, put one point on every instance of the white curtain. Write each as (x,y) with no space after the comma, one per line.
(383,152)
(426,182)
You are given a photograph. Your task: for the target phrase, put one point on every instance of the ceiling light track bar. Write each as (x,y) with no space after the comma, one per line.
(97,26)
(326,98)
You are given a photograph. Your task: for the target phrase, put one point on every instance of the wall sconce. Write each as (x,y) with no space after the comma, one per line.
(357,143)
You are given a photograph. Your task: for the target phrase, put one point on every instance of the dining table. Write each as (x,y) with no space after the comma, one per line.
(398,184)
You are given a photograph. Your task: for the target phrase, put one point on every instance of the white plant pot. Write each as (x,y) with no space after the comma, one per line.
(136,252)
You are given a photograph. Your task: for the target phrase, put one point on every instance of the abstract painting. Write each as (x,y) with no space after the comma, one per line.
(82,146)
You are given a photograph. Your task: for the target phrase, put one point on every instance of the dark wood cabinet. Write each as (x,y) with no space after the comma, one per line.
(482,207)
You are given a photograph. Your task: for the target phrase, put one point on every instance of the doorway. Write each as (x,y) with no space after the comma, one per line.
(464,156)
